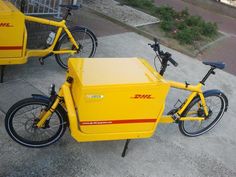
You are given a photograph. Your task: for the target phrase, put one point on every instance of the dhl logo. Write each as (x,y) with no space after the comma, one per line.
(5,25)
(142,96)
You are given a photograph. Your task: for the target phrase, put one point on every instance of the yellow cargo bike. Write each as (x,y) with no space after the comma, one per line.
(114,99)
(64,43)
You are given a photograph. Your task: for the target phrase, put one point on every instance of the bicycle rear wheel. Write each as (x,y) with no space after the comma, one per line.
(216,105)
(87,46)
(21,120)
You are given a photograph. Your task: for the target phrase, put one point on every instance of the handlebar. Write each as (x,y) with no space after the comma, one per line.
(164,56)
(173,62)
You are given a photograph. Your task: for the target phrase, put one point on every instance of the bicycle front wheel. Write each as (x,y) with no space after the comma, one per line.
(216,104)
(21,120)
(87,46)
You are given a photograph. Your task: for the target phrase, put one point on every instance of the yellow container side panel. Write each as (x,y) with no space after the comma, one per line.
(12,28)
(116,102)
(121,109)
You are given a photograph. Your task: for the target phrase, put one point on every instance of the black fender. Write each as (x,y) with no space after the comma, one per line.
(42,97)
(76,28)
(218,92)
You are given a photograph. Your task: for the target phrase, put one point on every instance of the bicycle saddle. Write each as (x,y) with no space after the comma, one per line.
(71,7)
(219,65)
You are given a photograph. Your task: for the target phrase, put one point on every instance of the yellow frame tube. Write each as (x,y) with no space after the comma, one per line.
(191,118)
(64,51)
(183,86)
(169,119)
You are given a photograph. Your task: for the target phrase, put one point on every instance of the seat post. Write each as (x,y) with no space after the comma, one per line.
(67,14)
(211,71)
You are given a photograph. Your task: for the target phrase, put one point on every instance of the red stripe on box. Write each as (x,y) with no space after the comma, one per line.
(11,47)
(108,122)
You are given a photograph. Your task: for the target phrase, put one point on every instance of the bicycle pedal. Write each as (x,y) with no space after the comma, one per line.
(41,61)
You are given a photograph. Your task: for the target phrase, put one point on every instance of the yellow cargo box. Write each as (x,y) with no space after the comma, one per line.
(12,28)
(117,95)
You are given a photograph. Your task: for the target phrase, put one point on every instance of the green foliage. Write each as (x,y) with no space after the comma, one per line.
(180,25)
(194,21)
(185,36)
(167,25)
(188,35)
(184,13)
(166,13)
(183,27)
(209,29)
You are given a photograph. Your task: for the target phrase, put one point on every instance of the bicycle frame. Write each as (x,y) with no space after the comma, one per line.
(196,91)
(61,26)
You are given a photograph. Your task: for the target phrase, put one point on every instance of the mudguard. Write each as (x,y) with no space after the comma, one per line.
(42,97)
(209,92)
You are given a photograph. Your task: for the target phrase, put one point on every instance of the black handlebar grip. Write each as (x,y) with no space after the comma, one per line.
(173,62)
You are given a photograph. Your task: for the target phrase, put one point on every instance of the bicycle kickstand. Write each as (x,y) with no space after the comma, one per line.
(2,73)
(125,147)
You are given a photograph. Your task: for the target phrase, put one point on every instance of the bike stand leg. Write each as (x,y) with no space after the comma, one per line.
(125,148)
(2,73)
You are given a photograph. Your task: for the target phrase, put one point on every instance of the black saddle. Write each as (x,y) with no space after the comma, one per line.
(219,65)
(70,7)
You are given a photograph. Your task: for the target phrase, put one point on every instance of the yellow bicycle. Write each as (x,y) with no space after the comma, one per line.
(63,43)
(113,99)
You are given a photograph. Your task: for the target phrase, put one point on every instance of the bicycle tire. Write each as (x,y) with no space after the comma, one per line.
(15,134)
(223,107)
(81,35)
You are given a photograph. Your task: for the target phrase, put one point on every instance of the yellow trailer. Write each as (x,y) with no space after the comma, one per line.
(61,43)
(13,35)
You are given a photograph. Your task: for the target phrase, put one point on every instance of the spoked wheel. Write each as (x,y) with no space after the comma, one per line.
(87,46)
(216,105)
(21,120)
